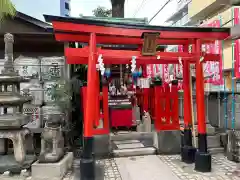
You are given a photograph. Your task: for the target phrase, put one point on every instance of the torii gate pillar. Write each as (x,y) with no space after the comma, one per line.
(203,157)
(87,163)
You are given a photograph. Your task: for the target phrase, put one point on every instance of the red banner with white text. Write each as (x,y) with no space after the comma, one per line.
(237,45)
(179,70)
(213,69)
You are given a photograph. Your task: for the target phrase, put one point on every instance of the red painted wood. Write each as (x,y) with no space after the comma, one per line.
(152,103)
(128,32)
(158,112)
(80,55)
(167,97)
(84,38)
(121,117)
(175,107)
(97,89)
(166,108)
(104,115)
(90,95)
(187,92)
(105,110)
(200,92)
(100,131)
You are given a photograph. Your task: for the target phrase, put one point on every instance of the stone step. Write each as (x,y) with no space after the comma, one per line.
(210,129)
(123,136)
(134,152)
(216,150)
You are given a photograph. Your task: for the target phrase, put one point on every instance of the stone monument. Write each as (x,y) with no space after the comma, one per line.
(53,159)
(12,118)
(52,142)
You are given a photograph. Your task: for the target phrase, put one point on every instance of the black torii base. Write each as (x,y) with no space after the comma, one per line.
(188,151)
(87,162)
(203,159)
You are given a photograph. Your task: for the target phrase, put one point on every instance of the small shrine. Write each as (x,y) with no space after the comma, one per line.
(157,99)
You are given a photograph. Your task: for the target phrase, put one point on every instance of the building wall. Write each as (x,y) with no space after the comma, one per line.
(208,11)
(183,18)
(36,8)
(197,6)
(65,8)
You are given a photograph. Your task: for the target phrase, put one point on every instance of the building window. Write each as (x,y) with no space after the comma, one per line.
(67,6)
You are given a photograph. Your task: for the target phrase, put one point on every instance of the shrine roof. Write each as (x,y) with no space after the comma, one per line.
(120,31)
(114,19)
(130,25)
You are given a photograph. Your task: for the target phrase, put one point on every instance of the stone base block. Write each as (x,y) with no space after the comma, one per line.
(87,169)
(52,171)
(188,154)
(8,163)
(203,162)
(168,142)
(102,145)
(231,156)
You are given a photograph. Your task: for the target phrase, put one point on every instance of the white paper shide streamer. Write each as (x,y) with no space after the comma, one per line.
(100,65)
(133,64)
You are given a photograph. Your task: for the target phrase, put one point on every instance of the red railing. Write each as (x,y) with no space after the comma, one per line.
(163,107)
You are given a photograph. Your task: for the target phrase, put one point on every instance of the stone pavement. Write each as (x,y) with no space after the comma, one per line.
(144,168)
(222,169)
(153,167)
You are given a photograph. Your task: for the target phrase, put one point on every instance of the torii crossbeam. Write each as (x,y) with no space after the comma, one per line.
(95,32)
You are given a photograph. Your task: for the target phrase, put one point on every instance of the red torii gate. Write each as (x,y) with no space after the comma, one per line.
(96,32)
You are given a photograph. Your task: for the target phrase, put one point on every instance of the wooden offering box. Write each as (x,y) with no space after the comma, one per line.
(121,114)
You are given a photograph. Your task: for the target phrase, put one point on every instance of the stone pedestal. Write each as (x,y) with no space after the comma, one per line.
(232,147)
(168,142)
(8,163)
(52,171)
(102,146)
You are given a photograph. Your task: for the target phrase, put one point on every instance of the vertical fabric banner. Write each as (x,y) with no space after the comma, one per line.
(217,66)
(179,70)
(165,71)
(237,46)
(149,71)
(213,69)
(207,65)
